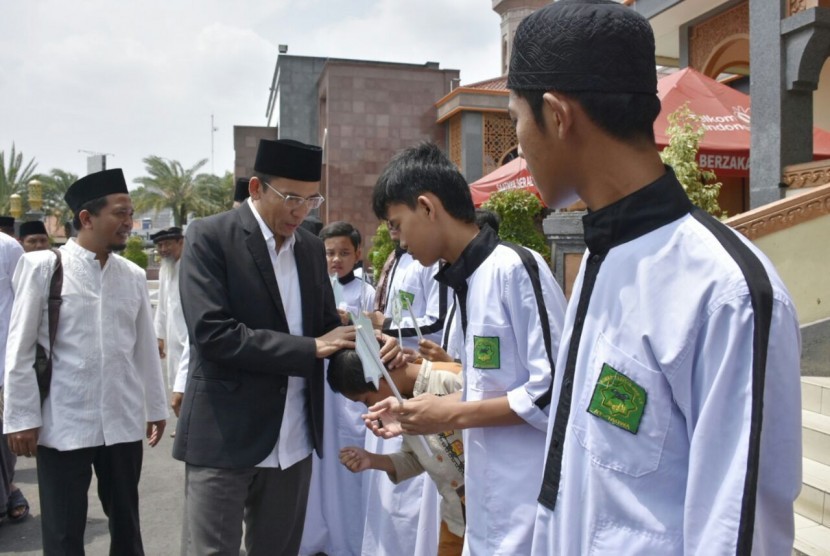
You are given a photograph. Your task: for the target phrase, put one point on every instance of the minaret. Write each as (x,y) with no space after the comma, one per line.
(512,13)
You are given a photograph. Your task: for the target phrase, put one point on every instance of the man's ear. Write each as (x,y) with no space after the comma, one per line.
(85,218)
(428,204)
(255,187)
(559,115)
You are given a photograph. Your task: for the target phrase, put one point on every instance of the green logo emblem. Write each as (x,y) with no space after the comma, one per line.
(486,353)
(618,400)
(407,299)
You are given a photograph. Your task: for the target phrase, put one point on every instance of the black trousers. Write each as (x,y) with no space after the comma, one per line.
(64,479)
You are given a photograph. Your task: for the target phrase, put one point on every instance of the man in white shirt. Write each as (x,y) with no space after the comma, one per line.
(13,510)
(675,418)
(171,330)
(107,390)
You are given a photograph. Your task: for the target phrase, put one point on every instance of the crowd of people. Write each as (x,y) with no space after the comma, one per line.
(657,412)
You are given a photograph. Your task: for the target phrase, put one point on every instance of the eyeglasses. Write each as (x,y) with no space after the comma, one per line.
(293,202)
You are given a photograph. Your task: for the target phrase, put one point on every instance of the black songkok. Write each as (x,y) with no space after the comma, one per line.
(240,192)
(286,158)
(35,227)
(584,46)
(169,233)
(95,186)
(6,221)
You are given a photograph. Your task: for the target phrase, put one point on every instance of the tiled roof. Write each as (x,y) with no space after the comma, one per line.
(495,84)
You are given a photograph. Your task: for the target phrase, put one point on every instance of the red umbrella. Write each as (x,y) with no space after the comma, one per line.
(513,175)
(726,116)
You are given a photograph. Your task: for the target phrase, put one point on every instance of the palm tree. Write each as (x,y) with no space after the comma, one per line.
(54,188)
(14,176)
(215,194)
(169,185)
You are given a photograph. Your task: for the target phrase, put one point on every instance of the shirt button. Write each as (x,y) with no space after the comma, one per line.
(439,457)
(454,484)
(283,390)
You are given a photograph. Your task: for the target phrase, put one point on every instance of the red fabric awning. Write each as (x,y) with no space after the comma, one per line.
(513,175)
(726,115)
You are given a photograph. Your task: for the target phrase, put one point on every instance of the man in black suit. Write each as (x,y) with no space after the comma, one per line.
(261,317)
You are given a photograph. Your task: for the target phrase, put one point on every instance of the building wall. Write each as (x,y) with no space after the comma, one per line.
(821,99)
(370,111)
(803,270)
(297,91)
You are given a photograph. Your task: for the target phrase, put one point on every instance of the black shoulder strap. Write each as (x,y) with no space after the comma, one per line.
(55,287)
(529,262)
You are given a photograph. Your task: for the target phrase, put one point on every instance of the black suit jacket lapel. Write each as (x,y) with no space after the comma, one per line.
(308,282)
(259,251)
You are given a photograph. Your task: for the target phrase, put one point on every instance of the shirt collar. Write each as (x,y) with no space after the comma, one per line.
(267,233)
(74,248)
(455,274)
(347,278)
(655,205)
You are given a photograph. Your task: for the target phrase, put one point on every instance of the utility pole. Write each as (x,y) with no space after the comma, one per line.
(213,129)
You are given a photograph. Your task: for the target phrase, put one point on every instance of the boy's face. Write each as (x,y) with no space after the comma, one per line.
(415,227)
(542,152)
(341,255)
(371,398)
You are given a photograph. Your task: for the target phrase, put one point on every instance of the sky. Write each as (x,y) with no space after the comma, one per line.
(143,77)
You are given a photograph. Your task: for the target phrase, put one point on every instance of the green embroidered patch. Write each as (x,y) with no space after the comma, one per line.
(486,354)
(407,299)
(618,400)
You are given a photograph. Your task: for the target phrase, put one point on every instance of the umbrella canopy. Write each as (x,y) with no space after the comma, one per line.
(725,114)
(513,175)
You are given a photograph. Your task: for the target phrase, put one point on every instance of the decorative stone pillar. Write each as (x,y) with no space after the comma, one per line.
(564,233)
(782,85)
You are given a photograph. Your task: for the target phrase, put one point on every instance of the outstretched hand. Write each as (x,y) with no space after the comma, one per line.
(355,459)
(381,420)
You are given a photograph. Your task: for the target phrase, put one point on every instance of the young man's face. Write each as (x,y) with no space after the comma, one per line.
(540,150)
(170,249)
(341,255)
(371,398)
(283,218)
(112,225)
(35,242)
(415,232)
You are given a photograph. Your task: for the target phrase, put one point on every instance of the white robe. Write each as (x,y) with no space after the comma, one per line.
(335,513)
(169,320)
(404,518)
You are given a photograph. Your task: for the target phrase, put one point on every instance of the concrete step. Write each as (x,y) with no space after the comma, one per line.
(814,500)
(811,538)
(815,430)
(815,394)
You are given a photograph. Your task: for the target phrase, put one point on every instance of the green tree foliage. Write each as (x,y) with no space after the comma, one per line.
(382,245)
(55,185)
(14,176)
(135,251)
(685,131)
(518,210)
(169,185)
(215,194)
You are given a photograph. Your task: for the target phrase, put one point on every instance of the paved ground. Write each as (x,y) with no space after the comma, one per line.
(161,491)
